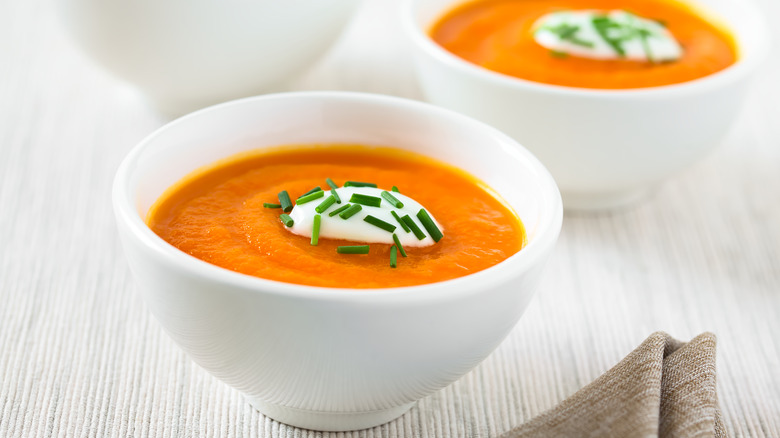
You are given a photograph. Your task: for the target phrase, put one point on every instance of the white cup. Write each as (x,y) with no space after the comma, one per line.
(187,54)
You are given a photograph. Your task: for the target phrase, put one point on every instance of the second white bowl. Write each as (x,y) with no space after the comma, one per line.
(605,148)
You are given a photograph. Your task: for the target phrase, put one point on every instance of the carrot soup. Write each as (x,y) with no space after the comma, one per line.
(342,216)
(599,44)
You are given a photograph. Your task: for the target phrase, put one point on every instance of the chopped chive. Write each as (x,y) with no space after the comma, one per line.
(558,54)
(393,256)
(286,219)
(413,226)
(568,32)
(398,218)
(335,195)
(339,210)
(351,211)
(358,184)
(643,34)
(371,201)
(398,244)
(392,199)
(395,189)
(269,205)
(379,223)
(316,189)
(310,197)
(315,230)
(324,205)
(356,249)
(333,188)
(429,225)
(284,201)
(603,24)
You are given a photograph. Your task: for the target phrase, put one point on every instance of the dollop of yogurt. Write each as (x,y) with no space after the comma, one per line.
(609,35)
(356,229)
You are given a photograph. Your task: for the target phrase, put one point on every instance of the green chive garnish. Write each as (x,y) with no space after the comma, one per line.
(375,221)
(269,205)
(339,210)
(398,244)
(324,205)
(286,219)
(310,197)
(643,35)
(333,188)
(568,32)
(315,230)
(392,200)
(316,189)
(398,218)
(603,24)
(336,195)
(395,189)
(284,201)
(393,256)
(357,249)
(413,226)
(371,201)
(359,184)
(429,225)
(351,211)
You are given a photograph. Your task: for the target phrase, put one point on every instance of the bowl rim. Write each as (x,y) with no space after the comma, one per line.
(551,216)
(747,61)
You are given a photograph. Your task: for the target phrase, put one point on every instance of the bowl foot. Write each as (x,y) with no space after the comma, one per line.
(328,421)
(603,201)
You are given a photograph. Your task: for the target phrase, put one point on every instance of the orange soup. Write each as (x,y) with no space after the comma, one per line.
(228,214)
(500,36)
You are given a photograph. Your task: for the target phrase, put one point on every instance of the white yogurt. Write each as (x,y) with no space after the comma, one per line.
(355,229)
(613,35)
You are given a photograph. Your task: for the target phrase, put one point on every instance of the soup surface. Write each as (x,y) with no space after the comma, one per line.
(499,35)
(217,214)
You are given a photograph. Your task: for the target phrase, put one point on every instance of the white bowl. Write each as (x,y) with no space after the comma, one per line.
(327,358)
(187,54)
(605,148)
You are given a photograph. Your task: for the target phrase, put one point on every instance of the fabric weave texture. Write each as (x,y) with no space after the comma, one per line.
(664,388)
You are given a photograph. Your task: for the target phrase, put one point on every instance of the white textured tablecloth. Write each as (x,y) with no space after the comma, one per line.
(80,355)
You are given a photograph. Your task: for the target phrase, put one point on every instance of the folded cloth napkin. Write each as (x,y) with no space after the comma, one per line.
(664,388)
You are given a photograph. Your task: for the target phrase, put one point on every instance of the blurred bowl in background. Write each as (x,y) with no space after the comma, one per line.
(605,148)
(185,55)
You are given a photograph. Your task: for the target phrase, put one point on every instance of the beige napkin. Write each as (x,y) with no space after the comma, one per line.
(664,388)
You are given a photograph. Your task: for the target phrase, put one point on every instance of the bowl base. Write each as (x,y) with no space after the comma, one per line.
(573,201)
(328,421)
